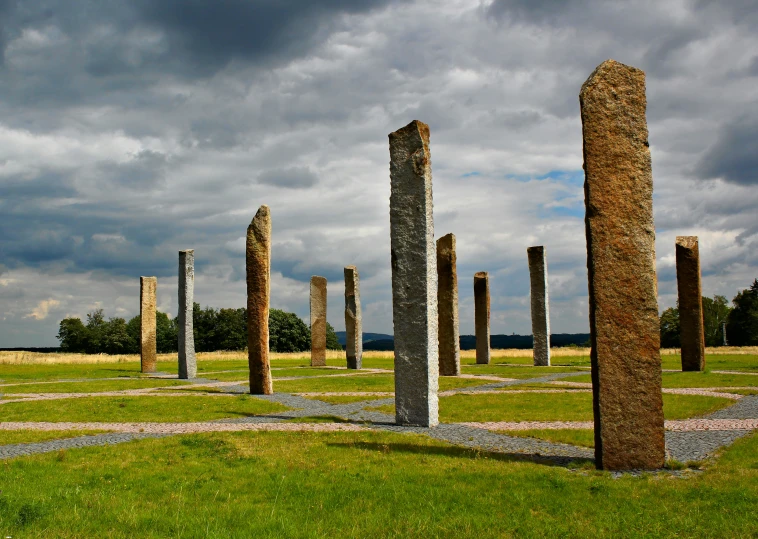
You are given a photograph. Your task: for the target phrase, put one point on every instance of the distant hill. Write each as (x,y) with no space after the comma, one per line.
(367,337)
(382,341)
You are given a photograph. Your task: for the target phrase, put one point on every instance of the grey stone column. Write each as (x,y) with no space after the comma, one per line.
(353,319)
(624,325)
(187,359)
(414,277)
(482,317)
(148,343)
(540,307)
(690,303)
(258,273)
(318,321)
(447,304)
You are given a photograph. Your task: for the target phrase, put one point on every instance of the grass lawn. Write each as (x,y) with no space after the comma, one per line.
(344,399)
(90,387)
(552,407)
(518,372)
(8,437)
(124,409)
(366,484)
(367,382)
(693,379)
(580,437)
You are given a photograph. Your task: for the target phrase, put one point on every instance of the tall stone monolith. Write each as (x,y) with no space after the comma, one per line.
(624,325)
(447,306)
(258,270)
(692,329)
(148,289)
(187,359)
(414,277)
(540,306)
(318,321)
(482,317)
(353,319)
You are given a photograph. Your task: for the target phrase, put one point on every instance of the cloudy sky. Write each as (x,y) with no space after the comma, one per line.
(131,129)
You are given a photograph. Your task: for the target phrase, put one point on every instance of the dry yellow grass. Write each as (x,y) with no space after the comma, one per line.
(36,358)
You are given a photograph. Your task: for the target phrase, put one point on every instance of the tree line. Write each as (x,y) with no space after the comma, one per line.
(741,320)
(214,329)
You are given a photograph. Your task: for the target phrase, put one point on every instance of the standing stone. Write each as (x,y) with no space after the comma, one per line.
(690,303)
(187,359)
(447,303)
(353,320)
(148,288)
(258,269)
(414,277)
(540,306)
(482,317)
(624,325)
(318,321)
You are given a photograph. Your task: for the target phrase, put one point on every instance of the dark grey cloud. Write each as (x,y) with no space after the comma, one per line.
(734,156)
(289,178)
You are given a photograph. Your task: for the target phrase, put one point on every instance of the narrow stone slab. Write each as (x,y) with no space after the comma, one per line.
(187,359)
(540,306)
(447,305)
(148,343)
(258,269)
(624,325)
(482,317)
(414,277)
(691,324)
(318,321)
(353,319)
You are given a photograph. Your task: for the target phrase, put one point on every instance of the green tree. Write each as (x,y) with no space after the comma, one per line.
(204,328)
(332,343)
(166,334)
(231,329)
(287,332)
(73,335)
(670,328)
(742,323)
(134,331)
(95,332)
(115,337)
(715,313)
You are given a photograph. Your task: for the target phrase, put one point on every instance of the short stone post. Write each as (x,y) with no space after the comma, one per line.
(258,271)
(624,325)
(148,343)
(353,319)
(540,306)
(318,321)
(482,317)
(447,305)
(690,303)
(187,359)
(414,277)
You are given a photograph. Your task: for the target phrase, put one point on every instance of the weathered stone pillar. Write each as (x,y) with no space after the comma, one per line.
(540,305)
(187,359)
(624,325)
(447,305)
(414,277)
(482,317)
(690,303)
(148,288)
(258,269)
(318,321)
(353,320)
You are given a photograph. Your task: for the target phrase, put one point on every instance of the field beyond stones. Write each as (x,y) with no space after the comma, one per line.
(89,447)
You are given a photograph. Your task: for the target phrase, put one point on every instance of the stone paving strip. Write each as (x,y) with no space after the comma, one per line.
(679,425)
(182,428)
(736,372)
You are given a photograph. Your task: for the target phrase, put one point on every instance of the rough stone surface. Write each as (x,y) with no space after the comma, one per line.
(148,289)
(187,359)
(482,317)
(447,305)
(414,277)
(540,306)
(318,321)
(353,319)
(624,325)
(690,303)
(258,268)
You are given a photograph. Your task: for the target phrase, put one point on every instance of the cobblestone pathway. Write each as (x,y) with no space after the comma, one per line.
(686,440)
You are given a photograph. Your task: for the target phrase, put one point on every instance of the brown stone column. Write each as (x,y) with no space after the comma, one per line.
(624,326)
(447,307)
(353,319)
(690,303)
(258,270)
(318,321)
(148,288)
(482,317)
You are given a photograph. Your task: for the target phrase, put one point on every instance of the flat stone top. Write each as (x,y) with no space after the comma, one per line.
(688,242)
(318,280)
(447,241)
(481,275)
(351,268)
(608,71)
(535,249)
(187,251)
(149,278)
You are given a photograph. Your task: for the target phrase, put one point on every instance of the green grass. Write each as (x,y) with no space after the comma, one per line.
(518,372)
(309,371)
(368,382)
(552,407)
(8,437)
(693,379)
(580,437)
(717,362)
(344,399)
(366,484)
(90,387)
(123,409)
(317,419)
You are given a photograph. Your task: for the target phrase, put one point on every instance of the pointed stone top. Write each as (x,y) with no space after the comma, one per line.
(420,127)
(608,71)
(687,242)
(263,211)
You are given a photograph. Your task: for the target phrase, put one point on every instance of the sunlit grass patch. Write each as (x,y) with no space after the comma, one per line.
(92,386)
(344,399)
(579,437)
